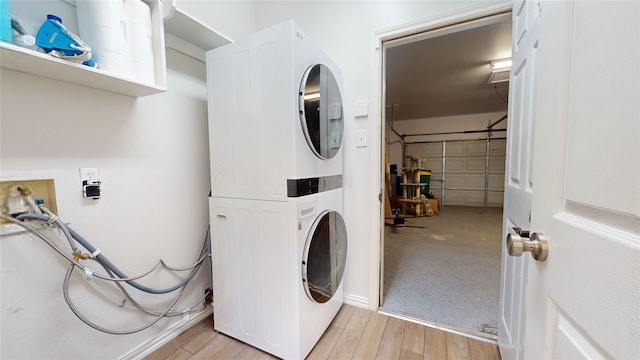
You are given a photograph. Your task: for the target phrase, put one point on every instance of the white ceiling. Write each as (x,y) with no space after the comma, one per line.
(447,75)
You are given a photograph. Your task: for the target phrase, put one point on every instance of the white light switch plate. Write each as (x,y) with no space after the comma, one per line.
(362,138)
(361,108)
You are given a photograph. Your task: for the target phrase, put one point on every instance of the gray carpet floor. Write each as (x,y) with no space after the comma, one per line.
(445,269)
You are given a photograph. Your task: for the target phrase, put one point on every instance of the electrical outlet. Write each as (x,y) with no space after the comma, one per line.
(89,174)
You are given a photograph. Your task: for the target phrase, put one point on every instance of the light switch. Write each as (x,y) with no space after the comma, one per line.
(362,138)
(361,108)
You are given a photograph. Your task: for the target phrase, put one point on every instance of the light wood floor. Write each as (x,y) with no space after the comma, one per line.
(354,334)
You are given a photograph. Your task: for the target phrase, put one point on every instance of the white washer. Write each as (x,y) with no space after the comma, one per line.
(275,114)
(277,269)
(275,130)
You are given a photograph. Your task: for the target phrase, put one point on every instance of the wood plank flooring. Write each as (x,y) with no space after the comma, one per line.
(355,333)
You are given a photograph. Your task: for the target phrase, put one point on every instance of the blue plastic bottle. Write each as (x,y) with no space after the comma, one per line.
(53,36)
(5,20)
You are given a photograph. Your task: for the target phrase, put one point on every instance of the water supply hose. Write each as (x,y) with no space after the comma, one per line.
(110,269)
(74,259)
(74,309)
(104,260)
(153,312)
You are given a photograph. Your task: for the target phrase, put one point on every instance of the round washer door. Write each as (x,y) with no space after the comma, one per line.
(321,117)
(324,257)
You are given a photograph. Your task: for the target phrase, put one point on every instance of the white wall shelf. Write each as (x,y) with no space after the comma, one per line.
(32,62)
(189,35)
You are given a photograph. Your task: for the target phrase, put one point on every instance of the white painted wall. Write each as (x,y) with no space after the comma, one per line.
(153,158)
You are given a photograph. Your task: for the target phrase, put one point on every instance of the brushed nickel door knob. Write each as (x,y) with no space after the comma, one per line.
(537,244)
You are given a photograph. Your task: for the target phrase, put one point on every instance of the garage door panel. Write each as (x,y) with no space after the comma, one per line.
(473,172)
(415,149)
(433,149)
(498,147)
(456,181)
(465,197)
(456,148)
(475,182)
(496,165)
(474,198)
(495,198)
(454,165)
(435,165)
(496,182)
(476,148)
(475,165)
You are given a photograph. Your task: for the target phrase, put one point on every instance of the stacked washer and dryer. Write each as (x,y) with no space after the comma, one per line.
(279,241)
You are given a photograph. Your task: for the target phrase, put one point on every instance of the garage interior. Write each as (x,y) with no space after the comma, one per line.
(446,120)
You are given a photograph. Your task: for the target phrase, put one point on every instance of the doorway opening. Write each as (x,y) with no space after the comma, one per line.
(445,144)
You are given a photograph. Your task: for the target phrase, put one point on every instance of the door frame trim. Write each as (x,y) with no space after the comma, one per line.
(376,215)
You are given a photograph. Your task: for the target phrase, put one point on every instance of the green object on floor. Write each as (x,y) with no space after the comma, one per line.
(425,178)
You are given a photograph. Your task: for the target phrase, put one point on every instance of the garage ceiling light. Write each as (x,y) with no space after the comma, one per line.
(500,64)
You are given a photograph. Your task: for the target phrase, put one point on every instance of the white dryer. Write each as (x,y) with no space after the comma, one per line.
(275,114)
(277,269)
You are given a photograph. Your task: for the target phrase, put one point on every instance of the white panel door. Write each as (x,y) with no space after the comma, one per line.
(583,302)
(518,175)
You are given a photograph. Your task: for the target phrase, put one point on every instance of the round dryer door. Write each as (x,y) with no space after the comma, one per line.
(321,111)
(324,257)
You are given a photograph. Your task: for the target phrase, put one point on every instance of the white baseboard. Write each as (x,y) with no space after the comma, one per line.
(356,300)
(157,341)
